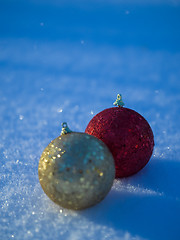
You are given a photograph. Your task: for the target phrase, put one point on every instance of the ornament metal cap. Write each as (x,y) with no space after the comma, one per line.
(65,129)
(119,102)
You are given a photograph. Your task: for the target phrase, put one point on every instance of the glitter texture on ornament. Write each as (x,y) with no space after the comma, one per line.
(76,170)
(128,136)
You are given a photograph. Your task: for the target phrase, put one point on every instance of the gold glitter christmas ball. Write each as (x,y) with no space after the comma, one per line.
(76,170)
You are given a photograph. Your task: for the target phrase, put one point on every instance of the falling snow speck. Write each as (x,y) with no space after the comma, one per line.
(21,117)
(60,110)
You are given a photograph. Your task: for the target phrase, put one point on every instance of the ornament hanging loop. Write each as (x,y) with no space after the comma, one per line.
(65,128)
(119,102)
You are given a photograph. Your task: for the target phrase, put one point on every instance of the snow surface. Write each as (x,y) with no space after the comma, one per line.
(68,67)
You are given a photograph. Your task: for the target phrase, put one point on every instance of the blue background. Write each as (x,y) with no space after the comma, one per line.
(66,61)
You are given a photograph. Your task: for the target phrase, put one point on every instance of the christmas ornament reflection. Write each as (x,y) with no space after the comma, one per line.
(76,170)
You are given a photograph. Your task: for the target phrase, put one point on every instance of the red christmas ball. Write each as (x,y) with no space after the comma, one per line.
(128,136)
